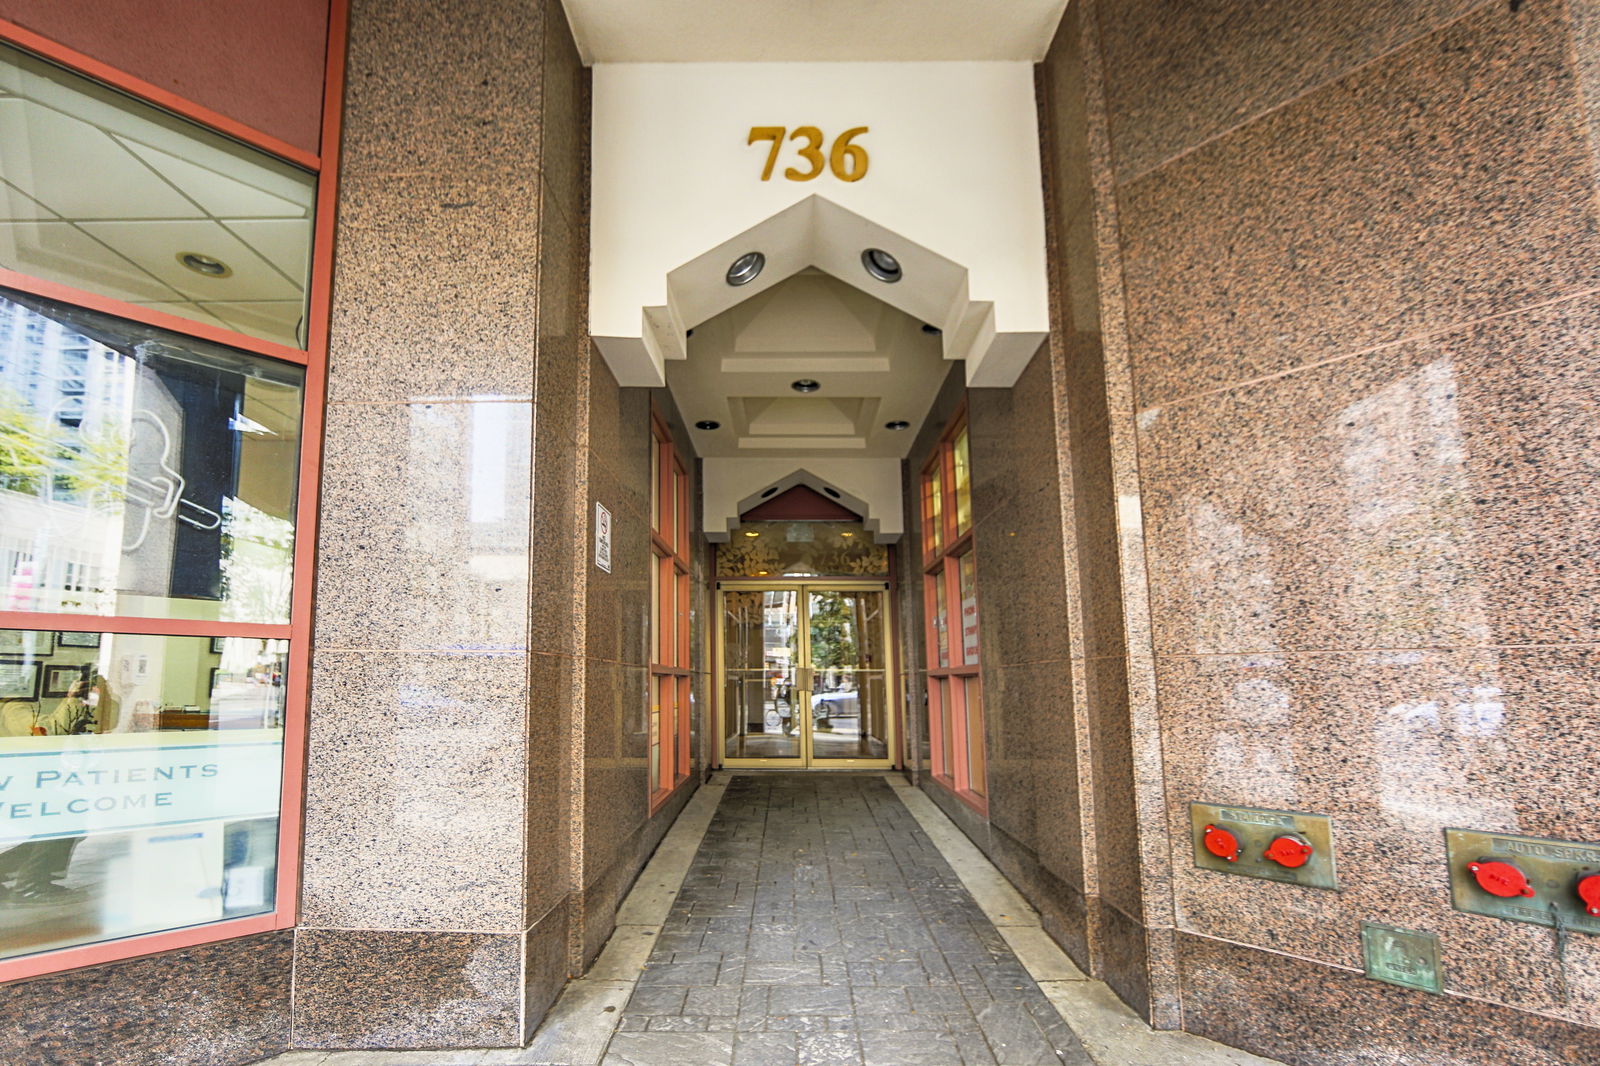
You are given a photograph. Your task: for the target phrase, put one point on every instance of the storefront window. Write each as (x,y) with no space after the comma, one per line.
(110,195)
(139,783)
(153,307)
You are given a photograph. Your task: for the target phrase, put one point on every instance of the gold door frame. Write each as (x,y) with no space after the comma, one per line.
(807,759)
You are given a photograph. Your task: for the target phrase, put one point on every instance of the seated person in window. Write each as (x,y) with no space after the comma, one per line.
(31,872)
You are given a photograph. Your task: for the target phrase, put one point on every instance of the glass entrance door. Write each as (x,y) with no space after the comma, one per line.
(805,675)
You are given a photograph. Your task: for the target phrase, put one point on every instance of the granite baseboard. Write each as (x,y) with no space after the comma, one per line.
(544,965)
(375,988)
(235,1009)
(1311,1014)
(605,892)
(1062,910)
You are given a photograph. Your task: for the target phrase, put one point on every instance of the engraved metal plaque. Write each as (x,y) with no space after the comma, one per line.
(1553,869)
(1255,829)
(1402,957)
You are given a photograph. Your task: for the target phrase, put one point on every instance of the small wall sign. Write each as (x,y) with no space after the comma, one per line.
(1401,957)
(602,537)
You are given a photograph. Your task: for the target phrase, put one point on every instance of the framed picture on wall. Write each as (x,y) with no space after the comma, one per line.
(19,680)
(27,643)
(58,680)
(217,644)
(78,640)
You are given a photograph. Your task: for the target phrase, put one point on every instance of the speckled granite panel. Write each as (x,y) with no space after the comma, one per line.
(1033,763)
(1017,510)
(414,791)
(234,998)
(380,989)
(566,116)
(1396,747)
(547,854)
(1388,500)
(432,270)
(560,391)
(423,536)
(1308,1014)
(1060,903)
(545,969)
(1111,754)
(429,91)
(1179,74)
(1447,181)
(619,602)
(616,767)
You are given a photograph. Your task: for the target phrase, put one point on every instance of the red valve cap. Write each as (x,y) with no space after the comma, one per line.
(1589,892)
(1290,851)
(1500,879)
(1221,843)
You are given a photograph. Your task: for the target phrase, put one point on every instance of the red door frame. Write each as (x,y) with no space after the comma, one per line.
(315,360)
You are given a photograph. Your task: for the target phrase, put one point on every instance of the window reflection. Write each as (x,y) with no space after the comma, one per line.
(142,473)
(139,783)
(105,193)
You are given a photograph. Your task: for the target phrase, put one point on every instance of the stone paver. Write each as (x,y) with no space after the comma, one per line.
(819,924)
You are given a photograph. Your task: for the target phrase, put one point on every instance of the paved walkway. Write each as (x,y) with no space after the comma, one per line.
(819,926)
(825,920)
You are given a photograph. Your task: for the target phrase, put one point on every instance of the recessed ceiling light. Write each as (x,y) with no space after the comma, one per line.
(897,425)
(846,533)
(745,268)
(831,491)
(706,423)
(769,492)
(929,328)
(881,265)
(805,385)
(752,533)
(204,264)
(761,573)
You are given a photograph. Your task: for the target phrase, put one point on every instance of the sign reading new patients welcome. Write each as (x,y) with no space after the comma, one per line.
(74,786)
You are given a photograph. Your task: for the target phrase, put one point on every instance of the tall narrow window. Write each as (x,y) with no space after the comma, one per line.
(669,594)
(950,600)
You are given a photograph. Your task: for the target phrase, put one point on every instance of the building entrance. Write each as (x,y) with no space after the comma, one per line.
(803,672)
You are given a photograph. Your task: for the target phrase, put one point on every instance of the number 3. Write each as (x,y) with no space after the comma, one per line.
(811,153)
(847,160)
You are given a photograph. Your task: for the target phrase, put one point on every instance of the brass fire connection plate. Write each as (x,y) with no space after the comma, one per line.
(1402,957)
(1256,829)
(1553,869)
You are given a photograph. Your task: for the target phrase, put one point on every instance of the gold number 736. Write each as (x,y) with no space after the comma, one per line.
(847,160)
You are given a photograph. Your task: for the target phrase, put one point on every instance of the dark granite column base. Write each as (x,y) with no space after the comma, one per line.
(372,988)
(1310,1014)
(1122,959)
(214,1005)
(544,965)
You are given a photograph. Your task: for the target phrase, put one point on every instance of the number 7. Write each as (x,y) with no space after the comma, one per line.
(768,133)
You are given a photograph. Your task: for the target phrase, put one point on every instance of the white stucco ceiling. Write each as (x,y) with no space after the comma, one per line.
(786,31)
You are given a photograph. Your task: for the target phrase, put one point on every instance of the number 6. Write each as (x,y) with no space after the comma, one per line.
(848,161)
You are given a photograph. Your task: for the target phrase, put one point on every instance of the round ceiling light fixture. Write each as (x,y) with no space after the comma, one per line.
(805,385)
(881,265)
(831,491)
(706,423)
(204,264)
(745,268)
(897,425)
(752,533)
(928,327)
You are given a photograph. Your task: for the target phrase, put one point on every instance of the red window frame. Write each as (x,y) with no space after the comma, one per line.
(949,579)
(324,165)
(669,615)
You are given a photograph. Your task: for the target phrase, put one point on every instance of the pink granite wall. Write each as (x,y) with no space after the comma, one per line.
(1345,262)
